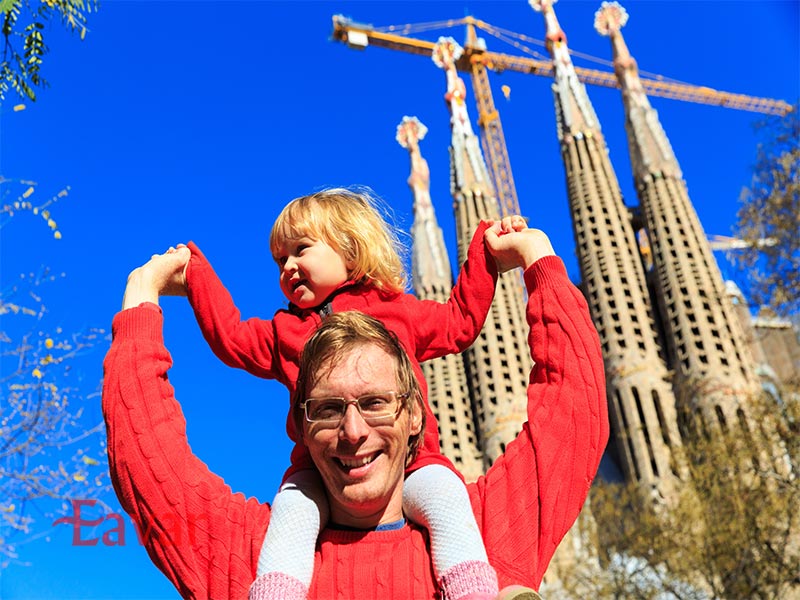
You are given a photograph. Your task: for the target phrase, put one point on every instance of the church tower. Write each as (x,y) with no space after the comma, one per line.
(498,364)
(706,348)
(432,279)
(641,401)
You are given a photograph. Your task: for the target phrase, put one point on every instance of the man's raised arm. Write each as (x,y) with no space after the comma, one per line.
(532,494)
(203,537)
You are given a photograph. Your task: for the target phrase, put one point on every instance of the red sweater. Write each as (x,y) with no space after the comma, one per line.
(206,539)
(271,348)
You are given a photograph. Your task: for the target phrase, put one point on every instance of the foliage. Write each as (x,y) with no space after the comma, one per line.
(734,532)
(24,47)
(49,455)
(769,217)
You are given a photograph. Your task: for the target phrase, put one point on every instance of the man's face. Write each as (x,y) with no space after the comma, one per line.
(361,465)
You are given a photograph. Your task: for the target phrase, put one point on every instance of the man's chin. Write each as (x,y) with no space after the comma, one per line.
(360,504)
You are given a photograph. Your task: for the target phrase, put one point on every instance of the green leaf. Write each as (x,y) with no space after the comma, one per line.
(7,5)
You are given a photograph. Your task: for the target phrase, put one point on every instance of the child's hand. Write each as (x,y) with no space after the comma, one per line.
(162,275)
(179,248)
(513,244)
(511,224)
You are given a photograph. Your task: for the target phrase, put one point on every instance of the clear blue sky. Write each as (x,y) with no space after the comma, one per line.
(199,120)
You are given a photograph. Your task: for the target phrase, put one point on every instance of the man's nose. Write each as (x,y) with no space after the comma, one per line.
(353,426)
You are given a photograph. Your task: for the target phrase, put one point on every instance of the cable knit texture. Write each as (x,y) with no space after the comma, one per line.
(270,586)
(206,539)
(272,348)
(473,579)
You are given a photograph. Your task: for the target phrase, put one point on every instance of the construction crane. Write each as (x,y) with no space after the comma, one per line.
(476,59)
(724,242)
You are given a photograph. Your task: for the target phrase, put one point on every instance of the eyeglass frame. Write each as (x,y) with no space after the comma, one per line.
(345,402)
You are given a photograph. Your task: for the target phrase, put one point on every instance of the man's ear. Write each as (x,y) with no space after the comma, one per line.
(415,421)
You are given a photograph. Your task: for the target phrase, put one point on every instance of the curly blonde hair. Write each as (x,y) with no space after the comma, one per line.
(351,222)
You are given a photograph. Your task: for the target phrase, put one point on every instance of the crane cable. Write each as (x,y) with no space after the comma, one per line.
(510,37)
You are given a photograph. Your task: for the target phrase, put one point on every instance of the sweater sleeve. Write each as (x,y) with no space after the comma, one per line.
(202,536)
(533,493)
(452,327)
(247,345)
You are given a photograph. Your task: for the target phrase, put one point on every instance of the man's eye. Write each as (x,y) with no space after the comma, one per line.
(327,409)
(374,403)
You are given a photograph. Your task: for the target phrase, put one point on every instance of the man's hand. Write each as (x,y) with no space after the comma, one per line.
(162,275)
(513,244)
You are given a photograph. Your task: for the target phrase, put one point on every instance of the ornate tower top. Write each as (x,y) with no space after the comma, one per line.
(410,132)
(575,113)
(554,32)
(610,17)
(430,266)
(469,168)
(446,52)
(651,151)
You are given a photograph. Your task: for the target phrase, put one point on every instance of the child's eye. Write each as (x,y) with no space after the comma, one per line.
(282,260)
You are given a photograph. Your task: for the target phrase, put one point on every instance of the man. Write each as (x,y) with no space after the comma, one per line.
(207,539)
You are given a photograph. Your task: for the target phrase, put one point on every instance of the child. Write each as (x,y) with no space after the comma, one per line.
(335,252)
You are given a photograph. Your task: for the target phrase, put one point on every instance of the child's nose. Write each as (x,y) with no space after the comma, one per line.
(290,265)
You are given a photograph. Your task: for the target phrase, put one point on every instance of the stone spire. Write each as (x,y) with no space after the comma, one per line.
(497,364)
(649,147)
(432,279)
(705,344)
(641,401)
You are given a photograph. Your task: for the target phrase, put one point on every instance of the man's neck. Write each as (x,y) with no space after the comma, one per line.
(365,521)
(399,524)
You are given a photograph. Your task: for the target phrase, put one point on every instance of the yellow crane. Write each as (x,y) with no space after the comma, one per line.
(476,59)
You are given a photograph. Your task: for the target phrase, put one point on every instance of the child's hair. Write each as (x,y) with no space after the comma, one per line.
(351,223)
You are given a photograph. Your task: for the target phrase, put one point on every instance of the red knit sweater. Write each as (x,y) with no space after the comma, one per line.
(206,539)
(271,348)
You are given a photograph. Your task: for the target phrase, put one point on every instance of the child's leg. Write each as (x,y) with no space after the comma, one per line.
(436,498)
(286,561)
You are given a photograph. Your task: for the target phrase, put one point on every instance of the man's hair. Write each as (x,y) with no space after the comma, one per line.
(341,333)
(352,223)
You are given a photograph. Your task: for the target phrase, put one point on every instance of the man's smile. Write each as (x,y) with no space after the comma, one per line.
(355,463)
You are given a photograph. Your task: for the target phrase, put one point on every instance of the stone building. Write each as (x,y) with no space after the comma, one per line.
(681,350)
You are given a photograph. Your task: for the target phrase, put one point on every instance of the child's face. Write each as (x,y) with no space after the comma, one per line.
(310,270)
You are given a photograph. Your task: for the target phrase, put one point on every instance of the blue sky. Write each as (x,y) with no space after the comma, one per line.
(199,120)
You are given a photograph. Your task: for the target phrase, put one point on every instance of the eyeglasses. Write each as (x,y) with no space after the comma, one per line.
(373,408)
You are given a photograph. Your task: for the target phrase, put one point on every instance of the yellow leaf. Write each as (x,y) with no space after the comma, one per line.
(89,461)
(37,373)
(57,235)
(19,107)
(79,477)
(48,343)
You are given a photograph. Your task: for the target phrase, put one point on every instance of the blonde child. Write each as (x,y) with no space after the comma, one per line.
(335,252)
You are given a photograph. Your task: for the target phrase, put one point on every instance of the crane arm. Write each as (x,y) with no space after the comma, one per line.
(358,35)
